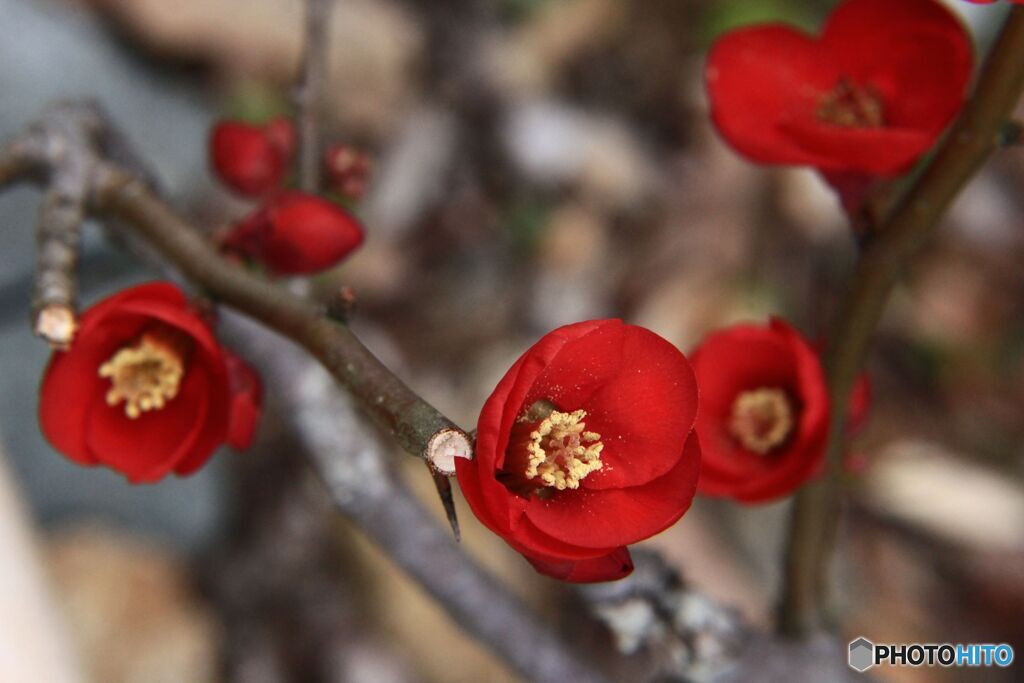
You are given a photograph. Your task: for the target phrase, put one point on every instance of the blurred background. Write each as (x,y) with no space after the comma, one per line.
(536,162)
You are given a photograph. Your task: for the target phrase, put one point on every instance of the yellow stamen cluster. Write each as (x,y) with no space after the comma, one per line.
(851,106)
(146,375)
(761,419)
(561,453)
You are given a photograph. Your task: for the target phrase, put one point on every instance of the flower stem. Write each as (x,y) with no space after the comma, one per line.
(975,135)
(309,92)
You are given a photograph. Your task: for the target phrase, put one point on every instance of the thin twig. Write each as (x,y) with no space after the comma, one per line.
(58,241)
(58,234)
(309,93)
(974,137)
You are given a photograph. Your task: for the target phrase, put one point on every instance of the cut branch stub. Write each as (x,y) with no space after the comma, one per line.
(444,447)
(56,324)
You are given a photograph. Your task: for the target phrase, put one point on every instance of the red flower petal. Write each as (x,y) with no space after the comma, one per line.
(612,517)
(528,539)
(611,567)
(753,95)
(650,412)
(916,53)
(246,398)
(148,447)
(71,382)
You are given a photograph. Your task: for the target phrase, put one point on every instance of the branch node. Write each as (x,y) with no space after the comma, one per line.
(342,304)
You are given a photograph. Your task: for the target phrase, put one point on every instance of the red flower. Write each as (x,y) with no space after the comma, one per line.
(869,96)
(296,233)
(586,446)
(249,159)
(763,420)
(348,170)
(145,388)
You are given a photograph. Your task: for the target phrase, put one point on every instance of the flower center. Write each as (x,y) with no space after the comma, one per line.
(147,373)
(561,452)
(761,419)
(849,105)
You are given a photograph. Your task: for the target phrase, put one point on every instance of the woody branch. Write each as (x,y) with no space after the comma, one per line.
(896,239)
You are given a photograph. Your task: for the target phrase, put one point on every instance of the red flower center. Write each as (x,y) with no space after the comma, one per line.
(761,419)
(849,105)
(550,451)
(146,373)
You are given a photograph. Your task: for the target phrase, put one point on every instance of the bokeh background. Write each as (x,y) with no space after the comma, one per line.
(537,162)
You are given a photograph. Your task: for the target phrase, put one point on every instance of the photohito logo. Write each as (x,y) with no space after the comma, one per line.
(864,654)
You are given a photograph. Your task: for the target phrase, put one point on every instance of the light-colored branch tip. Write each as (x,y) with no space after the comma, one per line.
(56,323)
(444,447)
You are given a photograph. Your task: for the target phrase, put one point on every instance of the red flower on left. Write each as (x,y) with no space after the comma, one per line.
(146,389)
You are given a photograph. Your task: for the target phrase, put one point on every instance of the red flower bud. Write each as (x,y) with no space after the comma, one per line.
(145,388)
(348,170)
(763,420)
(296,233)
(251,160)
(870,95)
(585,446)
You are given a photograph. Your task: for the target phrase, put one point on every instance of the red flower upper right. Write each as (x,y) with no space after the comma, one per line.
(870,95)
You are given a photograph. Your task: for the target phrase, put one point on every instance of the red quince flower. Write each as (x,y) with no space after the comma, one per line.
(869,96)
(585,446)
(295,234)
(348,170)
(145,388)
(763,419)
(251,160)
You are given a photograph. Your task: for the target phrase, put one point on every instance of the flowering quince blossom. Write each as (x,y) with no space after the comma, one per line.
(296,233)
(145,388)
(585,446)
(252,160)
(763,419)
(867,97)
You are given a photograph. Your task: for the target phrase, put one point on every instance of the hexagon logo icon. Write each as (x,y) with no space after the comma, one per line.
(862,654)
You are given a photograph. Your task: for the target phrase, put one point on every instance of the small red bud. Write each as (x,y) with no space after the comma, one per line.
(348,170)
(296,234)
(251,160)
